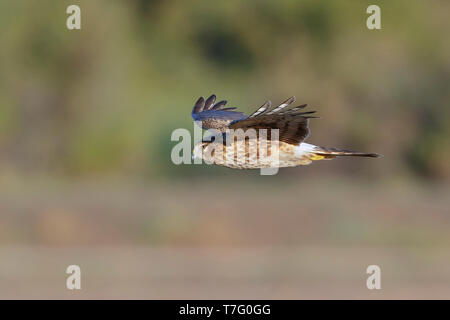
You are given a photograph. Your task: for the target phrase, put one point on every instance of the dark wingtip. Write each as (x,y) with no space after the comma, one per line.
(199,105)
(370,155)
(307,112)
(375,155)
(210,102)
(219,105)
(289,100)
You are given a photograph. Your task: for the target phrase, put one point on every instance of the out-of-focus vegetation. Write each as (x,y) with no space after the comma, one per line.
(104,100)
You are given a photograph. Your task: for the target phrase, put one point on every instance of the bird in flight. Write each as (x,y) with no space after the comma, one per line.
(269,137)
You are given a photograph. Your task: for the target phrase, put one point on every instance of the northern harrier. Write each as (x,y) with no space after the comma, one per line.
(265,148)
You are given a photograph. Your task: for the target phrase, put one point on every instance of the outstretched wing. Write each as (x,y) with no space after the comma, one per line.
(291,121)
(213,115)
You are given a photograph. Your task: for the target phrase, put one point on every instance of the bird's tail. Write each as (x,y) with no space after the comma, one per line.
(320,153)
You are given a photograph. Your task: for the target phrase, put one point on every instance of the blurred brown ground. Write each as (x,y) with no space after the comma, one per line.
(240,241)
(297,272)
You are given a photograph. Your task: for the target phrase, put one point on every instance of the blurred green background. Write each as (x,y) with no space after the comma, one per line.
(85,171)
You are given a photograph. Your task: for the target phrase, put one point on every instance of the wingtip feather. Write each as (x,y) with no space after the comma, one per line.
(209,103)
(199,105)
(219,105)
(289,100)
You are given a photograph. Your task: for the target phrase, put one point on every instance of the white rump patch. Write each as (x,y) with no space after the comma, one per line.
(304,148)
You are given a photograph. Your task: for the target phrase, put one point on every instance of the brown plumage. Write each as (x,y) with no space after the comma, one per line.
(269,137)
